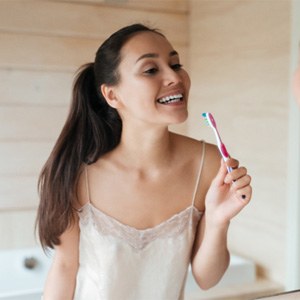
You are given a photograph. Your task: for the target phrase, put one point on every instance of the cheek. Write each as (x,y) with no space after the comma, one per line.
(187,82)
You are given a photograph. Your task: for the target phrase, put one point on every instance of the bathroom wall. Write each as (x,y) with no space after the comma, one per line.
(237,53)
(42,45)
(240,58)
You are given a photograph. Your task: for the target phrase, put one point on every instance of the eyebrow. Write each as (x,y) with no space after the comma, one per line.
(155,55)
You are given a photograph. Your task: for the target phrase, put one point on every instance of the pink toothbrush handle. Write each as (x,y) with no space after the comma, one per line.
(225,155)
(224,151)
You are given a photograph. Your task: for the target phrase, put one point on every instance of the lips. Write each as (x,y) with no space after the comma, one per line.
(170,99)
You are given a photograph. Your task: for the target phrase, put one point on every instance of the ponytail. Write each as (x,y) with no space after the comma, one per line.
(91,129)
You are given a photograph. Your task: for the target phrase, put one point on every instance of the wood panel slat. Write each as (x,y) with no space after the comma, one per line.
(30,123)
(23,158)
(98,22)
(18,191)
(40,52)
(17,229)
(21,87)
(180,6)
(19,51)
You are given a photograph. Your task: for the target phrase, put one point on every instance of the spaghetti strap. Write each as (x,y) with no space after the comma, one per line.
(87,184)
(199,172)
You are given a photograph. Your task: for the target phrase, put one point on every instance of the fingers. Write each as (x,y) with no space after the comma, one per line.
(233,163)
(240,180)
(235,175)
(223,176)
(219,179)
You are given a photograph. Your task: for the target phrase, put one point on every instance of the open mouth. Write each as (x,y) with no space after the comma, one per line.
(170,99)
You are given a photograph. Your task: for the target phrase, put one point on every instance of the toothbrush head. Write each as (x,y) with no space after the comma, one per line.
(209,119)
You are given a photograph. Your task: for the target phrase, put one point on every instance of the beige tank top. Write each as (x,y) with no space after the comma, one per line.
(119,262)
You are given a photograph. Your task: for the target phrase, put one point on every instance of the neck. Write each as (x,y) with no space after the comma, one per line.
(144,149)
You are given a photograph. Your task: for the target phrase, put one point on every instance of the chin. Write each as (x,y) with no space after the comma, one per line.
(179,118)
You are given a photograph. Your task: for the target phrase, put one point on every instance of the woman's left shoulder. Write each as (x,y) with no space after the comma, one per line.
(185,141)
(195,150)
(193,146)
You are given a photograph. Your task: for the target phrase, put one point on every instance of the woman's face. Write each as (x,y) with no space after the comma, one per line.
(153,86)
(296,84)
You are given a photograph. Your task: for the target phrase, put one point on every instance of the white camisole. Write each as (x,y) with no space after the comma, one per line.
(119,262)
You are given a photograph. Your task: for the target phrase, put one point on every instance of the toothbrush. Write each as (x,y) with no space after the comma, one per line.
(212,123)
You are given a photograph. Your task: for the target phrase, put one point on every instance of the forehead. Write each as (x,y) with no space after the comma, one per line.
(145,42)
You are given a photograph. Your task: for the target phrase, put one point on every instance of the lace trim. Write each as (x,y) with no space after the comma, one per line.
(139,238)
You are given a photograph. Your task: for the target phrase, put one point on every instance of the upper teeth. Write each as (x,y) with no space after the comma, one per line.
(168,99)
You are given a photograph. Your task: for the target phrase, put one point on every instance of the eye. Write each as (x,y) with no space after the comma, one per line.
(176,67)
(151,71)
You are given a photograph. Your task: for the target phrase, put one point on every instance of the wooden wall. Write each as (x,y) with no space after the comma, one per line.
(238,52)
(240,57)
(42,43)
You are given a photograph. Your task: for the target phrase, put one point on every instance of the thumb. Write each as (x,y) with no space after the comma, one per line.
(219,179)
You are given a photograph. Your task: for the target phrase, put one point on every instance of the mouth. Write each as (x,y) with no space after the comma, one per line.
(171,99)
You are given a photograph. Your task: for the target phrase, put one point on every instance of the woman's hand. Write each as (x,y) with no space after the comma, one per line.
(228,193)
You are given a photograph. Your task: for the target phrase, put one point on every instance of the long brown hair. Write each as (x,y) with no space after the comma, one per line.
(92,129)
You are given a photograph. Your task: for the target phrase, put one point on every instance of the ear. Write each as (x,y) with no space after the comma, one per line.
(110,95)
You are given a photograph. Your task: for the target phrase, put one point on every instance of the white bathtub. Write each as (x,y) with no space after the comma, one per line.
(20,283)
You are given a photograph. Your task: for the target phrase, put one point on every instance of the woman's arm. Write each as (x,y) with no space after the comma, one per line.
(226,197)
(211,256)
(61,280)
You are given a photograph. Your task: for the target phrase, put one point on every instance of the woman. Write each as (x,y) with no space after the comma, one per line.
(126,203)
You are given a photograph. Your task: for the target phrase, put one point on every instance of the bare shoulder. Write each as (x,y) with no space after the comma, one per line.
(193,147)
(189,145)
(195,150)
(212,160)
(211,165)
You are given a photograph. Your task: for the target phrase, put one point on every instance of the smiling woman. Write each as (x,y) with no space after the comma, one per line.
(126,203)
(143,72)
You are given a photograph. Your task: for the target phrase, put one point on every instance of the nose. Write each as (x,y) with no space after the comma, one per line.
(172,77)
